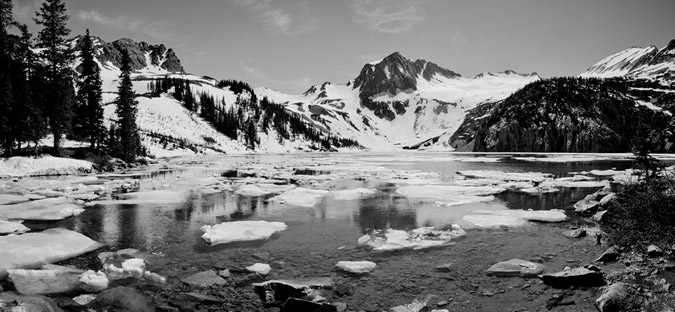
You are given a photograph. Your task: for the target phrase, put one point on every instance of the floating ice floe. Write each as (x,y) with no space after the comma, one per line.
(480,159)
(12,227)
(538,190)
(45,209)
(353,194)
(300,196)
(529,215)
(609,172)
(94,281)
(507,176)
(42,282)
(446,191)
(240,231)
(10,199)
(356,267)
(262,189)
(421,238)
(260,268)
(479,182)
(31,249)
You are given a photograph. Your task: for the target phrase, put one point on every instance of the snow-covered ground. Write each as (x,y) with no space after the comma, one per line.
(41,166)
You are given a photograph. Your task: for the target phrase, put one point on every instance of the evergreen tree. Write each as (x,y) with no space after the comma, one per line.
(89,115)
(58,56)
(5,79)
(129,140)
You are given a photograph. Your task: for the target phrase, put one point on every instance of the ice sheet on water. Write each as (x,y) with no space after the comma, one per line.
(46,209)
(495,221)
(441,192)
(352,194)
(12,227)
(146,197)
(356,267)
(300,196)
(507,176)
(529,215)
(262,189)
(9,199)
(240,231)
(31,249)
(458,200)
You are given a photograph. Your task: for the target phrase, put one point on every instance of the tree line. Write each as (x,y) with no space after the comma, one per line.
(41,93)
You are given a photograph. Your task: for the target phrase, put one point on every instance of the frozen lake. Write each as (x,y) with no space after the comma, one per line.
(327,200)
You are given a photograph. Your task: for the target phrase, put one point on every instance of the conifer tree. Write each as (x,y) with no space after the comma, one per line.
(89,115)
(58,56)
(5,79)
(129,140)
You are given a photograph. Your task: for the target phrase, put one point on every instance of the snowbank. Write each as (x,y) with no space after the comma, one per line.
(42,166)
(32,249)
(240,231)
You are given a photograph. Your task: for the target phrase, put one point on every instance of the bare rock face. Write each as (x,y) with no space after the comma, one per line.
(159,55)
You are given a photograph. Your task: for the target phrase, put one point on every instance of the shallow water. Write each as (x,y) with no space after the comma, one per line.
(171,224)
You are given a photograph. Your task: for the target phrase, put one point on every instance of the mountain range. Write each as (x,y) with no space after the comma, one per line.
(398,103)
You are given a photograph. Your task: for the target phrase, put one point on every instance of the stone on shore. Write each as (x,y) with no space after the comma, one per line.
(654,251)
(579,277)
(356,267)
(516,267)
(577,233)
(620,297)
(43,282)
(18,303)
(586,206)
(204,279)
(609,255)
(93,281)
(32,249)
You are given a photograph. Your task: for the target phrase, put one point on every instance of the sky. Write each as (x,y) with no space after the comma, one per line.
(289,45)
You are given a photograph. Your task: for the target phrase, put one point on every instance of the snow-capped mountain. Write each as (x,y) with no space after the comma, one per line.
(637,63)
(397,102)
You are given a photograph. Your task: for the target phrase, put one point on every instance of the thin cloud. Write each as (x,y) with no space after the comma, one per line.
(285,19)
(254,72)
(155,30)
(24,13)
(457,41)
(389,16)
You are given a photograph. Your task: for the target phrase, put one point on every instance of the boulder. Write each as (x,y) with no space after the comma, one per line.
(620,297)
(607,199)
(356,267)
(294,305)
(586,206)
(276,292)
(609,255)
(579,277)
(597,217)
(654,251)
(31,249)
(204,279)
(13,302)
(516,267)
(42,282)
(85,299)
(124,299)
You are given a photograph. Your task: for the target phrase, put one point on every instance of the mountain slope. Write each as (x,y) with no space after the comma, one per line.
(638,63)
(397,102)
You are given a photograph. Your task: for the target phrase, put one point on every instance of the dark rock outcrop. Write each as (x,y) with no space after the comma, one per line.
(620,297)
(579,277)
(160,55)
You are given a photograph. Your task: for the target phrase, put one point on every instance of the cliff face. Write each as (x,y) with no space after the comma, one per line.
(563,115)
(158,55)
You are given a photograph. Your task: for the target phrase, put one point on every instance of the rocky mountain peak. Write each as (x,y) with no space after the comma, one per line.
(159,55)
(396,73)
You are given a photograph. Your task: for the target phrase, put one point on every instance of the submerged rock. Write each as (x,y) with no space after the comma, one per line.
(356,267)
(579,277)
(31,249)
(294,304)
(420,238)
(20,303)
(204,279)
(125,299)
(516,267)
(240,231)
(276,292)
(620,297)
